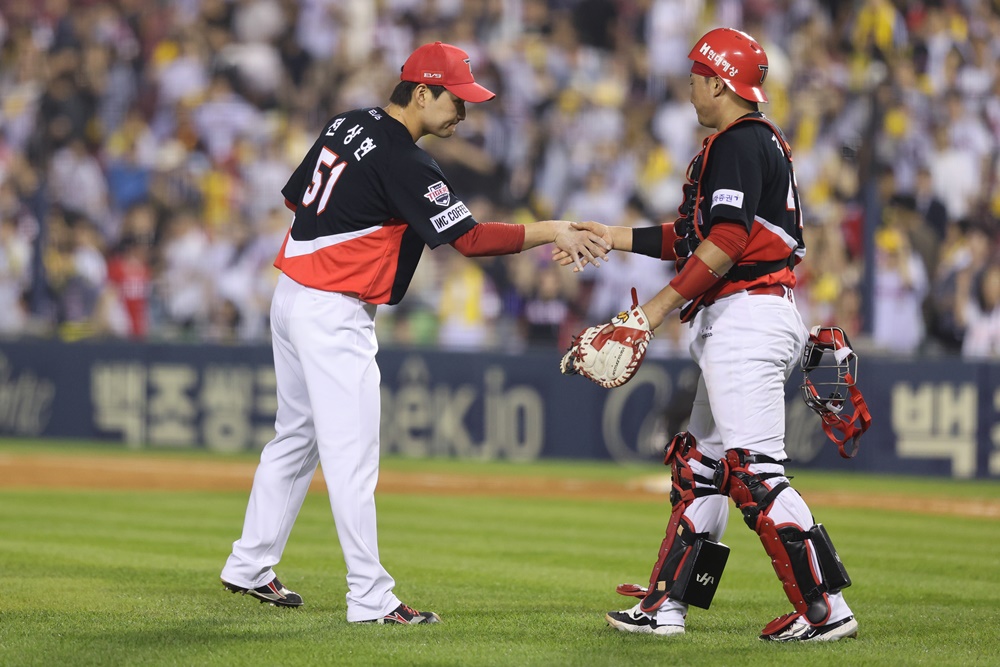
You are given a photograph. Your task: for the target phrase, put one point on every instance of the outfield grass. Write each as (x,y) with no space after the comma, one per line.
(131,578)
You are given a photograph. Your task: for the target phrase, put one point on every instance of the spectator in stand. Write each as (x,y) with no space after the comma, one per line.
(22,65)
(977,310)
(186,276)
(956,172)
(129,158)
(900,288)
(669,26)
(967,131)
(248,281)
(468,305)
(595,199)
(15,265)
(223,117)
(901,213)
(962,252)
(197,105)
(547,311)
(878,27)
(129,274)
(78,184)
(929,204)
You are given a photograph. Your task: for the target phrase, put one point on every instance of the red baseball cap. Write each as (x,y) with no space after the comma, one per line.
(440,64)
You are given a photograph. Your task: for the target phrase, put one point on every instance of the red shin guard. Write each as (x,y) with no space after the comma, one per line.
(790,546)
(680,537)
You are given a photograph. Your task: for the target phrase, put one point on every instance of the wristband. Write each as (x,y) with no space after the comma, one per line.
(647,240)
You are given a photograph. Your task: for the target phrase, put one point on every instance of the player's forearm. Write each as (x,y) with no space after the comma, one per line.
(542,232)
(621,238)
(714,263)
(665,302)
(656,241)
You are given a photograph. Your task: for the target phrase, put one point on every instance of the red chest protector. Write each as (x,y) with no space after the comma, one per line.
(690,226)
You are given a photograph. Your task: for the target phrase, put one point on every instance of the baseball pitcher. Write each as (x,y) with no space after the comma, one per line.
(366,201)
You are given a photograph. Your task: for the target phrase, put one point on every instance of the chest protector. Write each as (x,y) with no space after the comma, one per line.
(690,227)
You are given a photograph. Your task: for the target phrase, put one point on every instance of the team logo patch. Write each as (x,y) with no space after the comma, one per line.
(725,197)
(446,219)
(439,194)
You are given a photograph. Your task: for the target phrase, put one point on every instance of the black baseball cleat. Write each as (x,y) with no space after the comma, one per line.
(794,628)
(273,593)
(403,615)
(634,620)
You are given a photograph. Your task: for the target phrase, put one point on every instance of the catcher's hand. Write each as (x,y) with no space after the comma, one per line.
(610,354)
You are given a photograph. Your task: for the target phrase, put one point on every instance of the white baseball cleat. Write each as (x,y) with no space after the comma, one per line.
(799,630)
(636,620)
(405,615)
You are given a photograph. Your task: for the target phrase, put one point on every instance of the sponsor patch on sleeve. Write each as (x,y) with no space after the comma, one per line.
(725,197)
(450,216)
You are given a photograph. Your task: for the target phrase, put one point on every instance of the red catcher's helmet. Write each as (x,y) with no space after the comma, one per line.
(736,58)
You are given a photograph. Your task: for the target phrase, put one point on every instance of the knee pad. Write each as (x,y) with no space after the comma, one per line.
(805,585)
(689,566)
(686,485)
(748,490)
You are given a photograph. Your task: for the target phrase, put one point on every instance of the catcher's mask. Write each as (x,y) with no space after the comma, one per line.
(830,371)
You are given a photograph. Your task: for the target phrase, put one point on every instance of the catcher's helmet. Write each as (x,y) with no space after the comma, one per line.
(736,58)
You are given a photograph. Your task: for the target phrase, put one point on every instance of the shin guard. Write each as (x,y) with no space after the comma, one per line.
(685,556)
(805,585)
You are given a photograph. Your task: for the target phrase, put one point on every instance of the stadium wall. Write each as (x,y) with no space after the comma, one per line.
(929,417)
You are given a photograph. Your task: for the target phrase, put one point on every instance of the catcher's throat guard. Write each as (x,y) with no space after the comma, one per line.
(830,370)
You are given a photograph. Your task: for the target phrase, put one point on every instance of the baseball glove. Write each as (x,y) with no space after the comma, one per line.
(610,354)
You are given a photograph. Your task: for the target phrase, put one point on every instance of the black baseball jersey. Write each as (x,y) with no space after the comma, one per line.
(747,178)
(367,200)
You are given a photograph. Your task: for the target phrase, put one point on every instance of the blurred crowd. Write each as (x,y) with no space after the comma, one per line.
(144,144)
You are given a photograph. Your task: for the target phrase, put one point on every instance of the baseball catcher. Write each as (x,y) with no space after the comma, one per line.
(735,243)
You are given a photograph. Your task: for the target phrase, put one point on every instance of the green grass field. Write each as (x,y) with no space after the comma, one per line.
(131,578)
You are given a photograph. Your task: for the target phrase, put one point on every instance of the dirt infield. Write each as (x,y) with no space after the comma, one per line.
(166,474)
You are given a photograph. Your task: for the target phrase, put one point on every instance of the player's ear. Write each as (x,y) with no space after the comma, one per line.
(421,95)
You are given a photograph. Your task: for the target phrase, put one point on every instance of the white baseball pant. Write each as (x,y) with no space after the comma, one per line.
(328,412)
(746,346)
